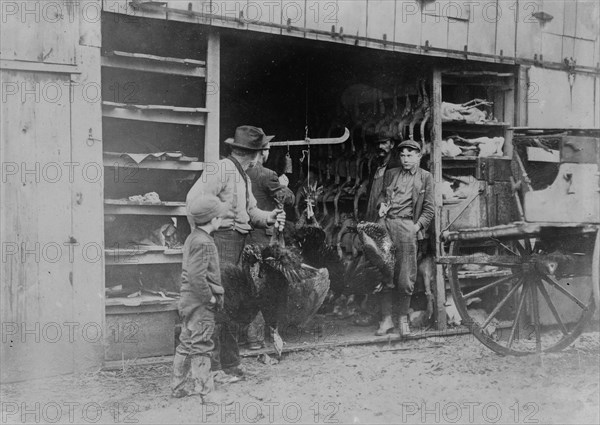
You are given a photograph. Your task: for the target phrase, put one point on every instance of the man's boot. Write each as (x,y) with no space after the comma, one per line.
(404,326)
(386,325)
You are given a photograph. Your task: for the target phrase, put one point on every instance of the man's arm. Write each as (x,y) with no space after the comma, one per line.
(428,210)
(277,191)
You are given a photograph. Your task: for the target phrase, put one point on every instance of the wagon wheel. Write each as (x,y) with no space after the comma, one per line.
(529,305)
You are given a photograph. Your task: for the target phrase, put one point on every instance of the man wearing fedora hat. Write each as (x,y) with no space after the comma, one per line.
(406,208)
(227,179)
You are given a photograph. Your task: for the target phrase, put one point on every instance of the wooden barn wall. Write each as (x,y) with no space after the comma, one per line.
(51,222)
(551,100)
(488,29)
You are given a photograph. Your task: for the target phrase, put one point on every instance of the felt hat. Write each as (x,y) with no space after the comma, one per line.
(204,208)
(251,138)
(411,144)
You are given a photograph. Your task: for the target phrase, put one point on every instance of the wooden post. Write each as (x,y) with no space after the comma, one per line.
(436,139)
(213,97)
(521,99)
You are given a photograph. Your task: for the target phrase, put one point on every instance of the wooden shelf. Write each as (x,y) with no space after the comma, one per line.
(118,161)
(143,255)
(464,127)
(155,64)
(155,113)
(122,207)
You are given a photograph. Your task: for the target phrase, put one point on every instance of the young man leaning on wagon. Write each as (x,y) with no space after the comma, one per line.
(408,208)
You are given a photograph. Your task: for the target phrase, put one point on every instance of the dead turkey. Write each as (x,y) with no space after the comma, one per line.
(272,279)
(374,269)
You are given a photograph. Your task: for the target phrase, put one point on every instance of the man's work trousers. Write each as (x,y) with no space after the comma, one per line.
(227,352)
(404,238)
(191,364)
(230,244)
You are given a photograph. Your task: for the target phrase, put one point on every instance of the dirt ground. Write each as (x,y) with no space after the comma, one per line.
(451,379)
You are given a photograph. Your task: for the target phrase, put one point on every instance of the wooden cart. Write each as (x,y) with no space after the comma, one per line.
(542,270)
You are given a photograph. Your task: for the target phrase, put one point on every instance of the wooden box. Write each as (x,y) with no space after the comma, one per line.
(138,331)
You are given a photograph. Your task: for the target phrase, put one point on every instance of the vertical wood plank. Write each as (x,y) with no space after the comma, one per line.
(36,292)
(436,137)
(588,20)
(557,10)
(482,27)
(552,47)
(529,35)
(434,29)
(213,96)
(90,15)
(505,28)
(570,20)
(584,52)
(457,34)
(408,23)
(295,12)
(264,12)
(381,15)
(352,15)
(88,207)
(23,21)
(321,15)
(521,95)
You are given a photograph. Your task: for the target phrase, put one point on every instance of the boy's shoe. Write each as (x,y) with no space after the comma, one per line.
(220,377)
(234,371)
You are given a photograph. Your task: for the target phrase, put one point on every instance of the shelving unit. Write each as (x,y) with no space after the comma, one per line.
(158,117)
(489,197)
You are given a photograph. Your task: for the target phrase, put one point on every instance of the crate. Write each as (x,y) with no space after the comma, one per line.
(139,331)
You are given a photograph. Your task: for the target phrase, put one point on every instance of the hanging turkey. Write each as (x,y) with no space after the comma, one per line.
(273,280)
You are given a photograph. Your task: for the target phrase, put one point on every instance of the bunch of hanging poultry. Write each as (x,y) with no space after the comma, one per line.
(328,259)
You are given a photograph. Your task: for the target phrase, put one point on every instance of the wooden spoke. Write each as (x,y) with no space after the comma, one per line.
(522,297)
(522,251)
(546,296)
(506,247)
(501,303)
(491,285)
(552,281)
(528,246)
(536,317)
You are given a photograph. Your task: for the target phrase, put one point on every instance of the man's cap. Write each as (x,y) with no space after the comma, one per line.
(383,137)
(411,144)
(204,208)
(250,137)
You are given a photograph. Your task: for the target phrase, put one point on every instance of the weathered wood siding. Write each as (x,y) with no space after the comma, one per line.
(491,30)
(51,293)
(552,102)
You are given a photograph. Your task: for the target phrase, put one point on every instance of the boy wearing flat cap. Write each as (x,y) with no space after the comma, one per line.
(407,208)
(201,297)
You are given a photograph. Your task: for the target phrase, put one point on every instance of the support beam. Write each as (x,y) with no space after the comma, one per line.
(436,152)
(213,97)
